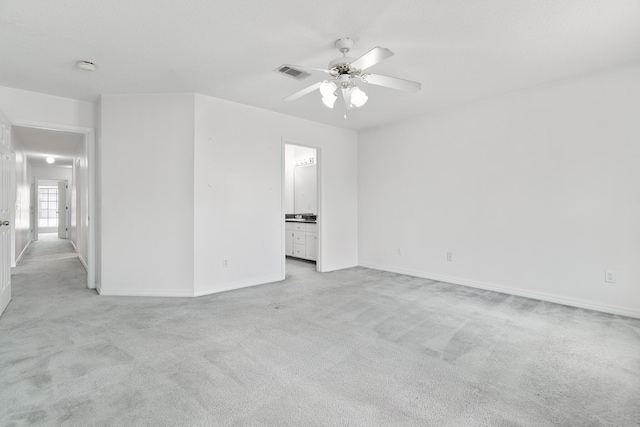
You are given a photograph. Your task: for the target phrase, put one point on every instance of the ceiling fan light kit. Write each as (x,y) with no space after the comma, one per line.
(344,70)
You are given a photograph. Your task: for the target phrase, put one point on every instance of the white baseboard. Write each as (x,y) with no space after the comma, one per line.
(83,262)
(149,293)
(23,251)
(338,267)
(542,296)
(201,290)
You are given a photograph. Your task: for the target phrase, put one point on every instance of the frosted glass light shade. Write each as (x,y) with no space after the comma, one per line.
(327,88)
(358,97)
(329,100)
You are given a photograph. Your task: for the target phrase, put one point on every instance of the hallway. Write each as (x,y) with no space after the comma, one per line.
(48,261)
(47,281)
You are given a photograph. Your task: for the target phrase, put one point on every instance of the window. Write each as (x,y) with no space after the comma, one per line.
(48,202)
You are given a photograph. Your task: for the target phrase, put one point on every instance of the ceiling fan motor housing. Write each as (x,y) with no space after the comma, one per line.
(341,65)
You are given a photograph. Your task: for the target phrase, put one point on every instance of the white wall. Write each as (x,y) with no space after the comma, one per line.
(535,193)
(147,160)
(238,193)
(23,234)
(52,173)
(37,107)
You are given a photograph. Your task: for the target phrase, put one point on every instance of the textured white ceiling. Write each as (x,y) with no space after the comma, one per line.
(460,50)
(40,143)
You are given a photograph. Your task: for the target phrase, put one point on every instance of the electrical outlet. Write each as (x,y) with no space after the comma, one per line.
(225,263)
(610,276)
(450,256)
(399,250)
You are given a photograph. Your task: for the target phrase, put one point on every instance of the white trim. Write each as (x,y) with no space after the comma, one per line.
(83,262)
(13,195)
(90,140)
(19,258)
(542,296)
(339,267)
(201,290)
(151,293)
(283,231)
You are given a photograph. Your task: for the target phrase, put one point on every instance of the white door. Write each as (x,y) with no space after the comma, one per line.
(5,216)
(63,208)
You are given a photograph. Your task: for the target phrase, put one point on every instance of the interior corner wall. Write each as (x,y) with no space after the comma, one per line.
(534,193)
(146,164)
(238,190)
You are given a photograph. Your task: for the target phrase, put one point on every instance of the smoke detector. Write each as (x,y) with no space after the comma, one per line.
(87,65)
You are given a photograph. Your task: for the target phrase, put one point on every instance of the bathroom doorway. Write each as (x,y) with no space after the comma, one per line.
(301,206)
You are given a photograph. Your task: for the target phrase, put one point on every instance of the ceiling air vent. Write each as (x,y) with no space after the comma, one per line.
(288,70)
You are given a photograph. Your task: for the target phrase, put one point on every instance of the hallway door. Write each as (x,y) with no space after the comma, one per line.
(5,215)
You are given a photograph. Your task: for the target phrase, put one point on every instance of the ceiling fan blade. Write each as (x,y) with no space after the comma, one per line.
(375,55)
(303,92)
(392,82)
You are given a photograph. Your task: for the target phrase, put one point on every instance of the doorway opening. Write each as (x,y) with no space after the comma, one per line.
(55,188)
(301,203)
(52,207)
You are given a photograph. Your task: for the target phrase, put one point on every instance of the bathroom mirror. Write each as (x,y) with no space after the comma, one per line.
(305,197)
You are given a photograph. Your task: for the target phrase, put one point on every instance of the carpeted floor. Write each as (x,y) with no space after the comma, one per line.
(356,347)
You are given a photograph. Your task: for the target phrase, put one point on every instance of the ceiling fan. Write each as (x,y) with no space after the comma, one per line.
(344,71)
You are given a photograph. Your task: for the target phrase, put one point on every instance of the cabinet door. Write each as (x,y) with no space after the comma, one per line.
(312,246)
(288,242)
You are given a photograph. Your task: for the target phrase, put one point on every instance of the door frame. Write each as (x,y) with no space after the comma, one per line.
(90,144)
(5,295)
(319,197)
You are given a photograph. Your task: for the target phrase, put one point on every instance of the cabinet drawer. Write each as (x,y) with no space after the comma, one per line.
(298,226)
(311,228)
(288,226)
(299,251)
(299,237)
